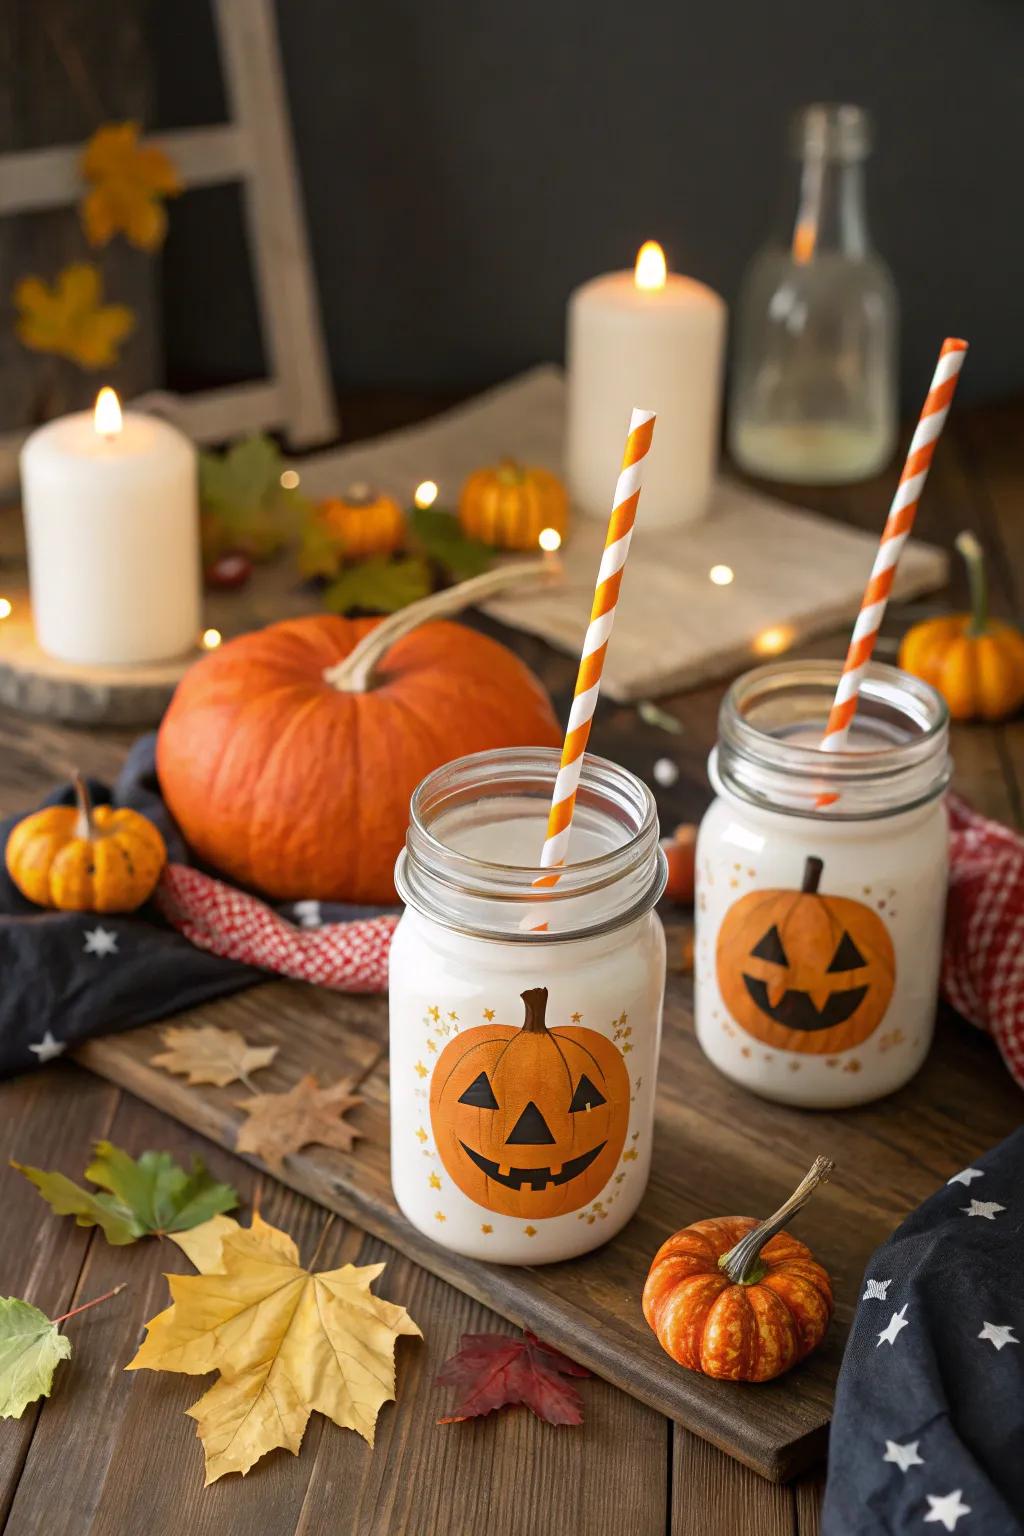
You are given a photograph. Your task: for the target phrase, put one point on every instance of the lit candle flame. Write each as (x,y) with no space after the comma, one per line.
(107,415)
(425,494)
(649,273)
(549,540)
(210,639)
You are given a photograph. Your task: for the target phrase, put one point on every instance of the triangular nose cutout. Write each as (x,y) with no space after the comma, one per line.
(531,1129)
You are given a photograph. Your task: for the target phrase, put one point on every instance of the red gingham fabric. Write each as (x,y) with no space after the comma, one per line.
(350,957)
(983,956)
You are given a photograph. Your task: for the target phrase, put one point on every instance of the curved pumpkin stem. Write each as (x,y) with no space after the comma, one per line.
(536,1001)
(355,673)
(813,869)
(742,1263)
(83,826)
(974,559)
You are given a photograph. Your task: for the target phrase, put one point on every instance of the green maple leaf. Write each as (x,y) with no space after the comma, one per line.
(31,1348)
(439,536)
(244,504)
(151,1196)
(379,584)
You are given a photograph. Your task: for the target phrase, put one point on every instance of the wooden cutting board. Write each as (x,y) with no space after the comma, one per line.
(718,1151)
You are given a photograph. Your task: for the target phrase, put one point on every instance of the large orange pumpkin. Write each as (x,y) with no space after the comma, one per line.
(805,972)
(740,1299)
(530,1121)
(288,758)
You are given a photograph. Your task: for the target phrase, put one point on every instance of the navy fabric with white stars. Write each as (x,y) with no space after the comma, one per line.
(66,976)
(928,1430)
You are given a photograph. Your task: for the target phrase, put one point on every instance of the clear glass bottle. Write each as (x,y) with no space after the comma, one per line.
(814,396)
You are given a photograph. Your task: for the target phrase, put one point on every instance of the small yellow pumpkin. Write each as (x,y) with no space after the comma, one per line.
(363,522)
(510,505)
(85,858)
(975,662)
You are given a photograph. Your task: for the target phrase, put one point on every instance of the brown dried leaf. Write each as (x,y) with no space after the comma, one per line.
(211,1055)
(280,1123)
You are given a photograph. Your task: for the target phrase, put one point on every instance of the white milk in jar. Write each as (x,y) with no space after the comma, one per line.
(821,886)
(524,1057)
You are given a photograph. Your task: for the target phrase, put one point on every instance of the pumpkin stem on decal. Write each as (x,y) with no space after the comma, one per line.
(742,1263)
(536,1004)
(813,870)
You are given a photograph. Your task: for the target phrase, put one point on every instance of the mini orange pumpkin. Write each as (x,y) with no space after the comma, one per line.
(510,505)
(976,663)
(739,1299)
(805,972)
(362,522)
(530,1121)
(81,858)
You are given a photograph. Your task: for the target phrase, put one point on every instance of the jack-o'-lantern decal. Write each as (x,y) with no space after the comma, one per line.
(530,1121)
(803,971)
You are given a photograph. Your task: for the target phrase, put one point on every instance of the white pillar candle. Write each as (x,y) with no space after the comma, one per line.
(656,340)
(112,521)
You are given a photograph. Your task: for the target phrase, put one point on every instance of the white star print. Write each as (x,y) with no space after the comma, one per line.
(308,914)
(986,1208)
(876,1290)
(47,1048)
(966,1175)
(947,1510)
(889,1334)
(100,941)
(999,1334)
(904,1456)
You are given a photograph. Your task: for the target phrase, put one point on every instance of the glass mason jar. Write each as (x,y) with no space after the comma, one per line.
(821,886)
(524,1057)
(814,397)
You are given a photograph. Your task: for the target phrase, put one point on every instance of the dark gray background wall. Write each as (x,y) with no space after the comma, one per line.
(466,164)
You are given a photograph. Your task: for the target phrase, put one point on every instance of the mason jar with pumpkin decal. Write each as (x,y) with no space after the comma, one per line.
(525,1021)
(821,886)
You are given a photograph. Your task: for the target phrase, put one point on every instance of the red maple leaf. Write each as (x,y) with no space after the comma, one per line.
(493,1371)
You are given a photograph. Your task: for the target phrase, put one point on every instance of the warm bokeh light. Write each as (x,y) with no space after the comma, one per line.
(289,480)
(771,641)
(425,493)
(721,575)
(650,266)
(549,540)
(5,607)
(210,639)
(107,415)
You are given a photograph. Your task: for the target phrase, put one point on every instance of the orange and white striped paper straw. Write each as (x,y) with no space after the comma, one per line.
(595,645)
(894,535)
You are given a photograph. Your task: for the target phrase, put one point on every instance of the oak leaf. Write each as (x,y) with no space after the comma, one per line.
(129,183)
(153,1196)
(280,1123)
(70,319)
(493,1371)
(287,1343)
(207,1054)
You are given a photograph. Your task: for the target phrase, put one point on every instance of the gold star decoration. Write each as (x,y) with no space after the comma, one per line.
(488,1014)
(432,1046)
(452,1014)
(530,1231)
(486,1228)
(434,1181)
(421,1070)
(440,1216)
(630,1156)
(577,1017)
(421,1134)
(435,1013)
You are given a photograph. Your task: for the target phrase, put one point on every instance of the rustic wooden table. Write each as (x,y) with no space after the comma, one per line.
(111,1454)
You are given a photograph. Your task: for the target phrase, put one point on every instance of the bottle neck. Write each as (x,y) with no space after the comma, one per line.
(825,209)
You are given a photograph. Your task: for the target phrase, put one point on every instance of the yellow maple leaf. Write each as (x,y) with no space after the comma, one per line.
(207,1054)
(287,1343)
(70,318)
(129,183)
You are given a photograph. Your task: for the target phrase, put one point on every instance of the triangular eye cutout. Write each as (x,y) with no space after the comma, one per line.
(479,1094)
(847,957)
(586,1096)
(770,948)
